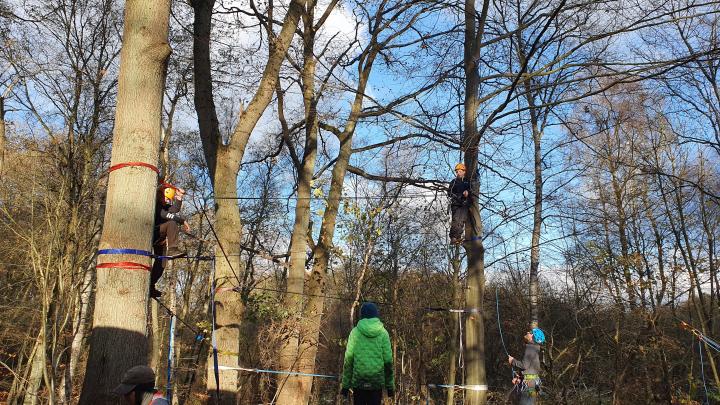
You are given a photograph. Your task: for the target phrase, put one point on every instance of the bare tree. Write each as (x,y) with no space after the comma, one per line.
(223,162)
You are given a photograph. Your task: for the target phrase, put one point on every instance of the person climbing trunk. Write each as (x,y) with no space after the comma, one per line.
(459,191)
(166,233)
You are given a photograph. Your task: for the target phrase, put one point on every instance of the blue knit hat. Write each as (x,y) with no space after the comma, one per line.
(369,310)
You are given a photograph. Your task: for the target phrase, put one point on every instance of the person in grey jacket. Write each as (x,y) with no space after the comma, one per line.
(530,365)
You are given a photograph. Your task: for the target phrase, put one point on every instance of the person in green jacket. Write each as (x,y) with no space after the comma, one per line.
(368,366)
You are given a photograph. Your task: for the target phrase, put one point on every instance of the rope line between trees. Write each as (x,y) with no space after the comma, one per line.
(263,371)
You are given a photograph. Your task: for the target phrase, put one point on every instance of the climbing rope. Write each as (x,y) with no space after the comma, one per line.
(497,313)
(198,333)
(502,339)
(701,336)
(264,371)
(702,371)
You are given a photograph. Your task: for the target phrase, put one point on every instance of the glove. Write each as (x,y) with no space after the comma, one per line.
(345,392)
(176,217)
(391,392)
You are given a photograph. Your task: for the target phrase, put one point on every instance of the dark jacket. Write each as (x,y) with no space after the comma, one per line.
(530,364)
(456,189)
(168,212)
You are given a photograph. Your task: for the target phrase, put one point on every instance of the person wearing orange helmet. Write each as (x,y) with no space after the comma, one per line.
(459,191)
(166,231)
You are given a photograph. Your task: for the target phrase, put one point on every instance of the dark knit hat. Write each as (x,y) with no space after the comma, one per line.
(136,376)
(369,310)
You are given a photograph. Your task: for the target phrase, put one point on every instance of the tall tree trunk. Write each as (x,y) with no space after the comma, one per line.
(454,335)
(538,201)
(537,224)
(229,308)
(156,347)
(37,366)
(291,390)
(474,325)
(619,193)
(80,323)
(119,337)
(312,313)
(173,347)
(2,135)
(223,163)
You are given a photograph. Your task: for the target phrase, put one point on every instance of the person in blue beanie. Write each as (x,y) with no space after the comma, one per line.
(530,366)
(368,365)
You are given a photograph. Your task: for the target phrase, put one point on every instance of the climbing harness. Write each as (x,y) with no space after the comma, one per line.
(497,312)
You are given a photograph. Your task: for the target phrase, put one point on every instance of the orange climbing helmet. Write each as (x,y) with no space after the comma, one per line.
(460,166)
(167,191)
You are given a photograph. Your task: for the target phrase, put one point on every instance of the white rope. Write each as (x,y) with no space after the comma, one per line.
(460,387)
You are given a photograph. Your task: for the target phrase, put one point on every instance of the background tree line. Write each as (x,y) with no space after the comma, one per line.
(315,140)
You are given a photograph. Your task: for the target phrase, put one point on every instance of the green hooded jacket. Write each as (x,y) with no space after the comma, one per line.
(368,357)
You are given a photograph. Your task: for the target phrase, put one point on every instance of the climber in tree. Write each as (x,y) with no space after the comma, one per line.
(459,191)
(167,230)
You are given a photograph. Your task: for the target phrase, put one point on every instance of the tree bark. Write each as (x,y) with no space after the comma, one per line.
(80,323)
(223,162)
(37,365)
(454,334)
(474,326)
(291,390)
(312,313)
(537,133)
(2,136)
(119,337)
(156,346)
